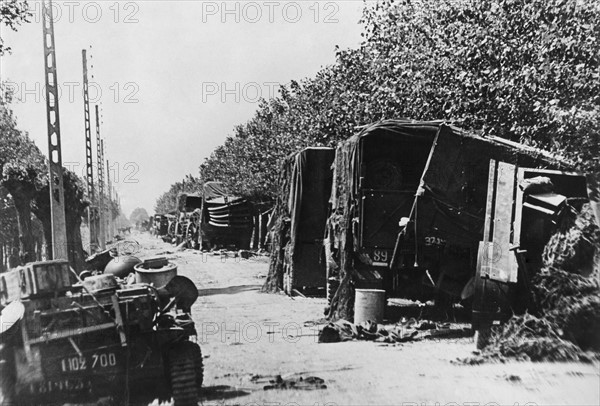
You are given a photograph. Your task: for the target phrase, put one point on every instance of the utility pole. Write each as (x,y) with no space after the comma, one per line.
(55,180)
(111,232)
(93,208)
(100,161)
(107,236)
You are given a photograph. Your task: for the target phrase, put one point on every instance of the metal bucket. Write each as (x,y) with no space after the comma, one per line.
(369,304)
(158,277)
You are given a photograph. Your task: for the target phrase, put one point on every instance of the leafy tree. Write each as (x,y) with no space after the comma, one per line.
(9,231)
(12,14)
(24,176)
(167,202)
(138,215)
(523,70)
(75,209)
(22,169)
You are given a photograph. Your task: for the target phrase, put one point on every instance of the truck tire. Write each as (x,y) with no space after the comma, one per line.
(199,368)
(482,337)
(8,375)
(185,373)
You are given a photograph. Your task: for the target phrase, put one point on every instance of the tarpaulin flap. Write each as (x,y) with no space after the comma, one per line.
(189,202)
(309,193)
(213,190)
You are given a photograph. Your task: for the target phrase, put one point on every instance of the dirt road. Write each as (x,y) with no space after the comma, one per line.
(248,338)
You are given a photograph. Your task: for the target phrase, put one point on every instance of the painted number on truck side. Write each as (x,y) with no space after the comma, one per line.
(380,256)
(102,360)
(435,241)
(63,385)
(73,364)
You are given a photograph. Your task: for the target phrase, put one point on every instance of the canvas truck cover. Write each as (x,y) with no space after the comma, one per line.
(226,219)
(310,187)
(430,172)
(299,218)
(189,202)
(214,190)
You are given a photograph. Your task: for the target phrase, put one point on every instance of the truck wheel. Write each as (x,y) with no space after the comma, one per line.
(199,367)
(482,337)
(7,376)
(183,373)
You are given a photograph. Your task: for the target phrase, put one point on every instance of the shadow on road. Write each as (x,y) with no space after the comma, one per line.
(221,392)
(230,290)
(453,314)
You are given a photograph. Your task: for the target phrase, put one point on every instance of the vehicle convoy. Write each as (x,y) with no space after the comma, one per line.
(409,206)
(68,340)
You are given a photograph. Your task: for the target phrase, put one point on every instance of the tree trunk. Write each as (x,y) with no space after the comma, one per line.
(26,241)
(43,216)
(274,281)
(264,219)
(256,232)
(75,244)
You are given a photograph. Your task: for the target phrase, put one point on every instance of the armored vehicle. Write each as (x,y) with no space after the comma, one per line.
(66,340)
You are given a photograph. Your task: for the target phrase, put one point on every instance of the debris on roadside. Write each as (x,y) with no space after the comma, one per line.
(297,383)
(407,330)
(564,322)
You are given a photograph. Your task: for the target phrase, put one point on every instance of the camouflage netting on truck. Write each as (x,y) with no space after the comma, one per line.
(390,166)
(564,324)
(280,230)
(299,220)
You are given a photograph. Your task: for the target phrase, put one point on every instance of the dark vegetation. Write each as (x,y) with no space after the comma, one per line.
(563,323)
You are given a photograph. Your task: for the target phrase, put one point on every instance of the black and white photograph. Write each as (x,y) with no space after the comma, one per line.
(299,203)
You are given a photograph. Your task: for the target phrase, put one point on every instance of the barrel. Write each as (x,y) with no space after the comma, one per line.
(369,304)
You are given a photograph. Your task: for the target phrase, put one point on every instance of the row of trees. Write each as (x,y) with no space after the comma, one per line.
(25,220)
(526,70)
(25,199)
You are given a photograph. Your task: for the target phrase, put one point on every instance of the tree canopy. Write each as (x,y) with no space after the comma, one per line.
(138,215)
(524,70)
(12,14)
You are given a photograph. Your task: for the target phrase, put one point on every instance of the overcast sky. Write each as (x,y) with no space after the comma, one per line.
(172,78)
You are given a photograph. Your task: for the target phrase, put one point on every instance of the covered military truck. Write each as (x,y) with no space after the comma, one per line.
(188,219)
(408,208)
(299,221)
(225,220)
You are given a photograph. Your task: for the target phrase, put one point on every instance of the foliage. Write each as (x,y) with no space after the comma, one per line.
(22,171)
(8,218)
(24,175)
(519,69)
(12,14)
(167,202)
(525,70)
(138,215)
